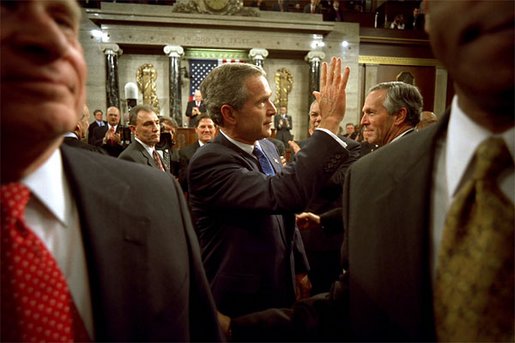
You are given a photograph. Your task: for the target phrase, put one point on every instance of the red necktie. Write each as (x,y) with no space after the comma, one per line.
(157,159)
(36,303)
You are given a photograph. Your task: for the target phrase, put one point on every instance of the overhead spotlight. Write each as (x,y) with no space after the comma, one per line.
(345,44)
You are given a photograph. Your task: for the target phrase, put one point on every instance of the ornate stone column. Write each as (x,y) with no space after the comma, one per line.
(258,56)
(314,58)
(175,53)
(112,51)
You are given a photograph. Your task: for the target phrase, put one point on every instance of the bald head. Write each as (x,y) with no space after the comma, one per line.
(426,118)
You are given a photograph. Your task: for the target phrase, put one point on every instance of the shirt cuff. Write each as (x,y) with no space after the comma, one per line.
(330,133)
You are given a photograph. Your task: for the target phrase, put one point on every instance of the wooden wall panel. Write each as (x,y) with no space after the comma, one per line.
(424,80)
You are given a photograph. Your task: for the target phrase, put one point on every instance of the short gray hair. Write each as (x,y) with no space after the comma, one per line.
(400,94)
(133,117)
(226,85)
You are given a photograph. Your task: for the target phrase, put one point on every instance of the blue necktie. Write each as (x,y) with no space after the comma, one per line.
(266,166)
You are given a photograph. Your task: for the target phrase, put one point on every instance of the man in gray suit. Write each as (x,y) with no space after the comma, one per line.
(145,127)
(118,234)
(396,201)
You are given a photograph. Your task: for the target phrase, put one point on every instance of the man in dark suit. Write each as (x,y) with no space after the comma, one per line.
(243,206)
(74,138)
(205,130)
(124,249)
(195,108)
(397,200)
(98,122)
(109,137)
(323,250)
(283,124)
(145,126)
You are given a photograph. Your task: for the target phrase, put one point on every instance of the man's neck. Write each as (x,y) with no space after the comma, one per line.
(22,164)
(396,132)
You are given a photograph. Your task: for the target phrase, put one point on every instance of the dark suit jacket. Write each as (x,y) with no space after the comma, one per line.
(390,284)
(323,249)
(185,155)
(385,293)
(283,131)
(143,259)
(98,136)
(245,220)
(75,142)
(136,152)
(91,128)
(189,109)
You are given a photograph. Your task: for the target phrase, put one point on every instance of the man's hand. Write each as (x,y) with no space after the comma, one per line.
(294,146)
(307,221)
(332,97)
(225,324)
(111,137)
(303,286)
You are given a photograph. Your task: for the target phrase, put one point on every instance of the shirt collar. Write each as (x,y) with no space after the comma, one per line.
(403,134)
(245,147)
(147,148)
(463,137)
(49,185)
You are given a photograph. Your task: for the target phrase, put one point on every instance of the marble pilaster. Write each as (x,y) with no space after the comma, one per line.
(175,52)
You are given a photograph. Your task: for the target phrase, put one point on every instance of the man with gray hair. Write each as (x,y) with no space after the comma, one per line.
(391,111)
(243,202)
(144,124)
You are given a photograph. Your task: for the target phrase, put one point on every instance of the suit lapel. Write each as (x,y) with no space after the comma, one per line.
(146,155)
(399,263)
(110,229)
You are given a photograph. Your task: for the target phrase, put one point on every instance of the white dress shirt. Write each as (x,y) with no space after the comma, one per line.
(453,167)
(53,216)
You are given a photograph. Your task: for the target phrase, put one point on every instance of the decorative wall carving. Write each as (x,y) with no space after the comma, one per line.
(220,7)
(283,86)
(146,77)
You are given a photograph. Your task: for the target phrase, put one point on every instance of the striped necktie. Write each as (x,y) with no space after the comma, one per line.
(266,166)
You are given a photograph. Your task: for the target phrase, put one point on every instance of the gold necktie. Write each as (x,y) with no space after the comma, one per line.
(473,296)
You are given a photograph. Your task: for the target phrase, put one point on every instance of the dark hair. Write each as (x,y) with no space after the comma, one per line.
(202,116)
(226,85)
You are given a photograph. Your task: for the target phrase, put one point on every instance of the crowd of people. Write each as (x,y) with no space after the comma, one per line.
(101,244)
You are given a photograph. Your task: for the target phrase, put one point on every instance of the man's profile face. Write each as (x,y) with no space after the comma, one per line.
(205,130)
(113,116)
(314,117)
(147,128)
(254,119)
(377,122)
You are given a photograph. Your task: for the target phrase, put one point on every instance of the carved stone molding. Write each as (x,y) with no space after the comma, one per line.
(111,49)
(220,7)
(314,55)
(173,50)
